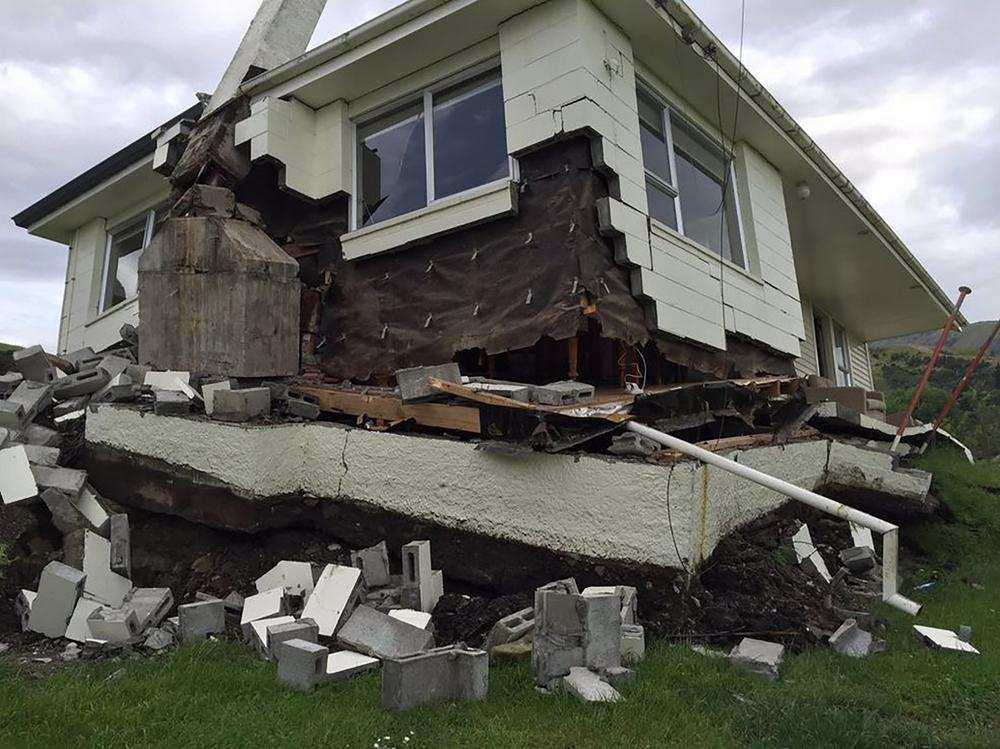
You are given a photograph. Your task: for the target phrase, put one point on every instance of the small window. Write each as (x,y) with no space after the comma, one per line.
(842,356)
(449,141)
(689,180)
(121,258)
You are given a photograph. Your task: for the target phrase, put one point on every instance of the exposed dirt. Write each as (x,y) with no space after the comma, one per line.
(468,619)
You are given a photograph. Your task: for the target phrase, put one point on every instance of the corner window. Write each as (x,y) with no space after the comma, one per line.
(121,257)
(689,180)
(450,140)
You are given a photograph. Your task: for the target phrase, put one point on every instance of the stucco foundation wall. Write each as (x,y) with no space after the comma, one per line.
(588,505)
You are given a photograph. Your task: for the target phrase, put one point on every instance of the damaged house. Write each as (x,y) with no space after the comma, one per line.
(542,192)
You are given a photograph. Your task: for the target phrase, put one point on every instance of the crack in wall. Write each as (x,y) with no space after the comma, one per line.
(343,460)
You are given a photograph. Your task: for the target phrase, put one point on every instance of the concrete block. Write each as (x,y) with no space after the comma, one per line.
(850,639)
(344,664)
(78,629)
(617,676)
(602,632)
(67,408)
(514,390)
(102,584)
(82,383)
(563,393)
(633,643)
(448,674)
(208,391)
(559,635)
(121,544)
(59,589)
(295,577)
(568,585)
(90,507)
(22,607)
(381,636)
(73,546)
(83,358)
(158,639)
(170,403)
(151,605)
(117,625)
(374,564)
(65,517)
(67,480)
(279,632)
(758,657)
(414,381)
(9,381)
(32,363)
(335,595)
(587,686)
(627,593)
(419,590)
(42,456)
(258,633)
(12,416)
(120,389)
(301,664)
(862,536)
(115,366)
(808,555)
(196,621)
(17,480)
(304,410)
(419,619)
(932,637)
(634,445)
(265,605)
(512,627)
(234,602)
(858,560)
(855,468)
(965,633)
(174,380)
(35,434)
(33,397)
(241,405)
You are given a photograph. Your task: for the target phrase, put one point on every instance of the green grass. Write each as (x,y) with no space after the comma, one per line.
(217,694)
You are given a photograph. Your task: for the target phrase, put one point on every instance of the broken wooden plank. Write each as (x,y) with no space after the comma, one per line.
(392,409)
(615,411)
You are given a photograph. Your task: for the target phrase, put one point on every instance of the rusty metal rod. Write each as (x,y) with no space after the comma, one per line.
(963,291)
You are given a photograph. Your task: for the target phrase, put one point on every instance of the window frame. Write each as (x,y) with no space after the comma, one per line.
(147,237)
(668,110)
(827,328)
(424,95)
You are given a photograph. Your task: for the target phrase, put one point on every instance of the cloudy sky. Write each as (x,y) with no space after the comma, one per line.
(903,94)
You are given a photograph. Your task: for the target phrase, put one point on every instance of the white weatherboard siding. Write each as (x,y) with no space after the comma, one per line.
(83,284)
(861,368)
(581,504)
(807,364)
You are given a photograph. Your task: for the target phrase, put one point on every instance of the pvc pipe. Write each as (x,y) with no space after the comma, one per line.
(890,532)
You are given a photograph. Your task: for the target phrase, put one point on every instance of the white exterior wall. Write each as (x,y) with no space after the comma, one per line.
(861,366)
(807,364)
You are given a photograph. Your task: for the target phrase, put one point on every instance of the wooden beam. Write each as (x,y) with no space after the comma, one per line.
(392,409)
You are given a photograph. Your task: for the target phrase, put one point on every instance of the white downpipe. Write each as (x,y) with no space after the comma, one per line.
(890,532)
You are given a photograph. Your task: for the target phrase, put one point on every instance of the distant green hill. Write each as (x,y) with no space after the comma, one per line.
(966,342)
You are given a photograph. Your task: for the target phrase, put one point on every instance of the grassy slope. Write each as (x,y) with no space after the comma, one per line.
(217,694)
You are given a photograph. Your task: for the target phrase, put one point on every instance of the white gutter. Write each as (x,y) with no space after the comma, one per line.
(890,532)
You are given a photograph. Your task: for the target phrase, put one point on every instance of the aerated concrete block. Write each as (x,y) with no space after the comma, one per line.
(559,635)
(448,674)
(90,507)
(333,598)
(22,607)
(304,410)
(374,564)
(196,621)
(80,384)
(512,627)
(295,577)
(259,629)
(563,393)
(414,382)
(12,416)
(567,585)
(587,686)
(419,589)
(419,619)
(167,380)
(78,629)
(850,639)
(17,480)
(209,390)
(151,605)
(35,434)
(58,591)
(808,555)
(67,480)
(344,664)
(858,560)
(381,636)
(42,456)
(241,405)
(83,358)
(32,363)
(633,643)
(602,632)
(301,664)
(758,657)
(65,517)
(279,632)
(102,585)
(114,625)
(33,397)
(170,403)
(121,545)
(266,605)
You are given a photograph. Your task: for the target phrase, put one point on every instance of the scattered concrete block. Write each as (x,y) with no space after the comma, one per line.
(69,407)
(295,577)
(278,632)
(208,392)
(196,621)
(563,393)
(602,641)
(965,633)
(633,643)
(381,636)
(304,410)
(758,657)
(4,436)
(80,384)
(373,563)
(932,637)
(158,639)
(514,390)
(301,664)
(73,547)
(559,635)
(568,585)
(419,619)
(114,625)
(234,602)
(151,605)
(448,674)
(627,593)
(34,398)
(858,560)
(518,650)
(634,445)
(9,381)
(89,506)
(618,676)
(120,389)
(851,468)
(335,594)
(17,480)
(241,405)
(265,605)
(67,480)
(65,517)
(258,633)
(102,584)
(32,363)
(22,607)
(115,366)
(808,555)
(168,380)
(170,403)
(42,456)
(72,416)
(78,629)
(850,639)
(58,591)
(35,434)
(84,358)
(587,686)
(344,664)
(419,590)
(512,627)
(414,382)
(12,415)
(121,545)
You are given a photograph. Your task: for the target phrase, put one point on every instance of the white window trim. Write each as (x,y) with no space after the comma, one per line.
(831,348)
(669,108)
(147,236)
(426,95)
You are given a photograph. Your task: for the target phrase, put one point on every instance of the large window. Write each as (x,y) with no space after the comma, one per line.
(447,141)
(689,180)
(121,258)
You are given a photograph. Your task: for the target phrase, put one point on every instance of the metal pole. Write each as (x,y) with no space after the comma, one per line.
(963,291)
(889,531)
